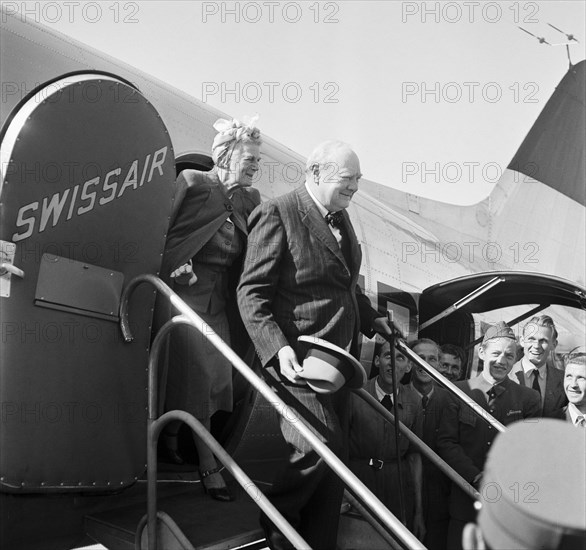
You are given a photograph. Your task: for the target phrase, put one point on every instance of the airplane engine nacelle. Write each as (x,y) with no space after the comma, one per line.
(86,192)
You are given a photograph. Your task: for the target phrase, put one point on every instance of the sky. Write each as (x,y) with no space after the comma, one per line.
(435,97)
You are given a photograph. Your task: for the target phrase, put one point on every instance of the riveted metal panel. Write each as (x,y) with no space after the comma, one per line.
(88,173)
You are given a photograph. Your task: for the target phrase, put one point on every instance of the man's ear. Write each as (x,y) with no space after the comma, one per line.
(481,352)
(472,538)
(315,171)
(377,361)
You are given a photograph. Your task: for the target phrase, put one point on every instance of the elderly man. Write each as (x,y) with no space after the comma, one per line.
(300,278)
(464,439)
(539,341)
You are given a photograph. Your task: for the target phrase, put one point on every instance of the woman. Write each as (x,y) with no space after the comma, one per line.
(202,261)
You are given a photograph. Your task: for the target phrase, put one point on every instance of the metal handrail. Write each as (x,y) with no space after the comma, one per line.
(463,301)
(155,426)
(289,414)
(423,447)
(380,530)
(171,525)
(438,377)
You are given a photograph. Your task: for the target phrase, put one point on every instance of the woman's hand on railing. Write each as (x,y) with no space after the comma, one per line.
(184,274)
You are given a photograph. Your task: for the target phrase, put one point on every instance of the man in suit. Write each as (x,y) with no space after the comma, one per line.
(539,341)
(575,388)
(436,486)
(300,278)
(373,450)
(464,439)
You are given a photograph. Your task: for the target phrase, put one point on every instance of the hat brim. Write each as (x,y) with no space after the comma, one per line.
(358,377)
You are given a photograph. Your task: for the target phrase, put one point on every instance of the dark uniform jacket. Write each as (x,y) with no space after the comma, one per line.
(464,438)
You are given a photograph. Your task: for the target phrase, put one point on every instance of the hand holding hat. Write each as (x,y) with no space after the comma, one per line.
(328,367)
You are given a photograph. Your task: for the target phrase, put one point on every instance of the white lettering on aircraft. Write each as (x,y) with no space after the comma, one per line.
(64,204)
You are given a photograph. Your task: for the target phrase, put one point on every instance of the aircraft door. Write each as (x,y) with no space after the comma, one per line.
(86,193)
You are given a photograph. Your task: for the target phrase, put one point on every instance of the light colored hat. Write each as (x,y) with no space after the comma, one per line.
(229,133)
(328,367)
(500,330)
(533,487)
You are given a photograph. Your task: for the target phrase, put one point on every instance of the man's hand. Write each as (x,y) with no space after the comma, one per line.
(383,326)
(290,367)
(476,481)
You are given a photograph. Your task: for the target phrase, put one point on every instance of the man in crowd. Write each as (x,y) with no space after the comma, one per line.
(436,486)
(539,341)
(452,361)
(575,388)
(300,278)
(373,451)
(464,439)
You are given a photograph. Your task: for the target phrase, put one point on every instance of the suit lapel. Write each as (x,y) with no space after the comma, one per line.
(312,218)
(355,252)
(520,377)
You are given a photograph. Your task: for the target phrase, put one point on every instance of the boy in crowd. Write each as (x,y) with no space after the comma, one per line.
(575,389)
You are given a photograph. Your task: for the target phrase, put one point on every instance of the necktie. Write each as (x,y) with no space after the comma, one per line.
(335,219)
(580,422)
(491,396)
(387,402)
(535,384)
(424,401)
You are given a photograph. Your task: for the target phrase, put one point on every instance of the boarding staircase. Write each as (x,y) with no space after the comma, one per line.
(180,516)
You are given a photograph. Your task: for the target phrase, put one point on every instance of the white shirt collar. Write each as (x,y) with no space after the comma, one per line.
(488,377)
(528,368)
(574,413)
(380,393)
(322,209)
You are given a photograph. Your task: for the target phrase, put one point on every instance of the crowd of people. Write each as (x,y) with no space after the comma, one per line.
(288,267)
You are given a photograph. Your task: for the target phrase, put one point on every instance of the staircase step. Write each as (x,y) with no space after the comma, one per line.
(206,523)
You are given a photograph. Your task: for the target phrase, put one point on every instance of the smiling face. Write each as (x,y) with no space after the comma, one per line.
(450,366)
(575,385)
(498,357)
(429,353)
(243,166)
(537,342)
(383,362)
(335,180)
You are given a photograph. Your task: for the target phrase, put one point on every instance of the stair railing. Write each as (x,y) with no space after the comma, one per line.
(188,316)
